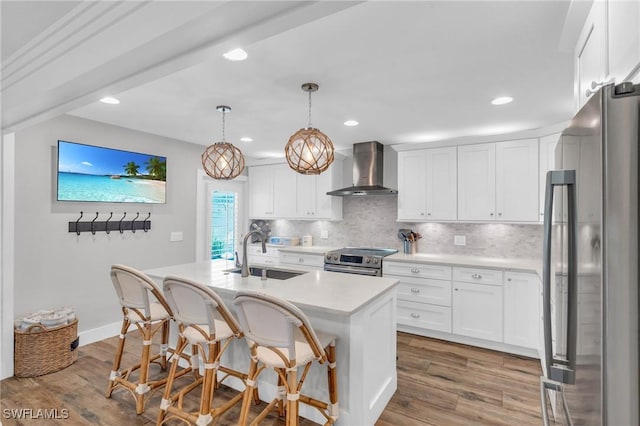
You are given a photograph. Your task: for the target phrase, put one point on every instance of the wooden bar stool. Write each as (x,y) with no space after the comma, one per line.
(144,306)
(280,337)
(206,324)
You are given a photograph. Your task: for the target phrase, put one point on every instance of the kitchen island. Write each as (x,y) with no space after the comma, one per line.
(359,310)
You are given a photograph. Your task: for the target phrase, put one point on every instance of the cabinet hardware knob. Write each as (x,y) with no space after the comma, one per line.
(490,214)
(428,214)
(415,270)
(421,213)
(301,260)
(508,279)
(499,214)
(414,315)
(476,276)
(415,290)
(455,289)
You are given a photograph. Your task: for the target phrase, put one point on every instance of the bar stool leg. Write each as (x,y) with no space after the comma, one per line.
(282,392)
(248,391)
(293,396)
(118,358)
(208,384)
(164,345)
(143,387)
(166,401)
(332,382)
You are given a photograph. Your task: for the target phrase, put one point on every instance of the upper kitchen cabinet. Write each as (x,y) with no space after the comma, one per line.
(271,191)
(592,66)
(277,192)
(428,184)
(549,160)
(477,182)
(312,201)
(498,181)
(623,24)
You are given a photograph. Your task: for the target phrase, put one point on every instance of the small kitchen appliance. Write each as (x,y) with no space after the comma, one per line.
(357,260)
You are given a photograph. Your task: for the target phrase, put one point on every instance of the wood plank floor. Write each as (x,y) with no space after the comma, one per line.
(439,383)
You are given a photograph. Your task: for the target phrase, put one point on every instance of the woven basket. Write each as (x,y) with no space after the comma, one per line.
(40,350)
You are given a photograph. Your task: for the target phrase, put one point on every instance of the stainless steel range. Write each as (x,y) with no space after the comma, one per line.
(357,260)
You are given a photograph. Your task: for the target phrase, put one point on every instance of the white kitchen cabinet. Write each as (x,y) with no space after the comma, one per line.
(312,201)
(312,260)
(623,26)
(548,157)
(517,181)
(498,181)
(424,316)
(522,317)
(276,191)
(427,182)
(255,254)
(477,303)
(591,54)
(477,310)
(477,182)
(272,191)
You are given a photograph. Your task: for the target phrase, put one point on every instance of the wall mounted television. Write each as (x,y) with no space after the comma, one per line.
(99,174)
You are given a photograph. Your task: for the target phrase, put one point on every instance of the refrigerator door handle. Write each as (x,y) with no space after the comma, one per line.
(560,370)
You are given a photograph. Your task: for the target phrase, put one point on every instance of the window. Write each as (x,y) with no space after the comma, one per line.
(224,224)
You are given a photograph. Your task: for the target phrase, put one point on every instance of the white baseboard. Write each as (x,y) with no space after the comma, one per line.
(100,333)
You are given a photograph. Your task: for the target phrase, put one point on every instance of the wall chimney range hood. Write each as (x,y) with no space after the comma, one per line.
(367,172)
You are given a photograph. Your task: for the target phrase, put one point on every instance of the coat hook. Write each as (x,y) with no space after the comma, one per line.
(144,223)
(77,225)
(106,225)
(93,229)
(133,220)
(120,223)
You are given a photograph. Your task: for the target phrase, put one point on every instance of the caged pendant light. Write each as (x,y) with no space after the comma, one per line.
(309,151)
(223,160)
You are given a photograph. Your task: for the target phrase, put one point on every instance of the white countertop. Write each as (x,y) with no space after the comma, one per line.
(332,292)
(510,264)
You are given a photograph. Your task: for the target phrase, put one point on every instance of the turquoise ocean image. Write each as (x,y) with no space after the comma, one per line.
(91,173)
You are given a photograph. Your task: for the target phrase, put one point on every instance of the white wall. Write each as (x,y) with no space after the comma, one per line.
(56,268)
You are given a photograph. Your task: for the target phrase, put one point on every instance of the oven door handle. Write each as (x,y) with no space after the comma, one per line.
(351,270)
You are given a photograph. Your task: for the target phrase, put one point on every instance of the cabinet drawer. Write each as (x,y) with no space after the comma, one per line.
(422,315)
(418,270)
(478,275)
(313,260)
(436,292)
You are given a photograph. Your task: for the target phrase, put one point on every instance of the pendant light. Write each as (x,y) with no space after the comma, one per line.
(309,151)
(223,160)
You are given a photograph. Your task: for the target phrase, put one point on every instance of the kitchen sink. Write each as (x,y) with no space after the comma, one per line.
(276,274)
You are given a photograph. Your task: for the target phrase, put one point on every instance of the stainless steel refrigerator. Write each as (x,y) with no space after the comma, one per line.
(590,269)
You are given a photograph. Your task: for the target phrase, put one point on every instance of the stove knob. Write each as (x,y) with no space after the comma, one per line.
(376,261)
(335,257)
(328,257)
(367,260)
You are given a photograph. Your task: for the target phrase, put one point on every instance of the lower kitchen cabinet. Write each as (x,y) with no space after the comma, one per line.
(478,306)
(522,318)
(423,315)
(311,260)
(477,310)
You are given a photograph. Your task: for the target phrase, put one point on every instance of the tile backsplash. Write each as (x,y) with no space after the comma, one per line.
(371,221)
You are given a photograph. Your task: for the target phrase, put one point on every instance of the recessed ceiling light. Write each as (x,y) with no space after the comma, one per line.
(351,123)
(109,100)
(246,139)
(236,55)
(502,100)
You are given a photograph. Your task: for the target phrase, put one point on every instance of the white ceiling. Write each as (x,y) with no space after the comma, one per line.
(414,71)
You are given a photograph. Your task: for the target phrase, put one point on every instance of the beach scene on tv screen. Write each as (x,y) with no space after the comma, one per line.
(91,173)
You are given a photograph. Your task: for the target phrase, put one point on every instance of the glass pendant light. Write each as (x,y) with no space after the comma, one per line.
(309,151)
(223,160)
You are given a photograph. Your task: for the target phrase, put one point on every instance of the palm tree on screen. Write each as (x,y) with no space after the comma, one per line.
(131,168)
(157,168)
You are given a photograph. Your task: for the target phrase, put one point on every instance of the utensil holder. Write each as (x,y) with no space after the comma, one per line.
(410,247)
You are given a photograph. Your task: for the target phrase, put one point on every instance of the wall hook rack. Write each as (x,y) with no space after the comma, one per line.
(78,226)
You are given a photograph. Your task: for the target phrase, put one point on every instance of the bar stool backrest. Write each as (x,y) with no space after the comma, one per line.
(272,322)
(196,304)
(136,290)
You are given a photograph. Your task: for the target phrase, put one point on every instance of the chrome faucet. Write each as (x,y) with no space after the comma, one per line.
(245,264)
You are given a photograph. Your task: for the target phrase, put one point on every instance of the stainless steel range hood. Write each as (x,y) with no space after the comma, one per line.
(367,172)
